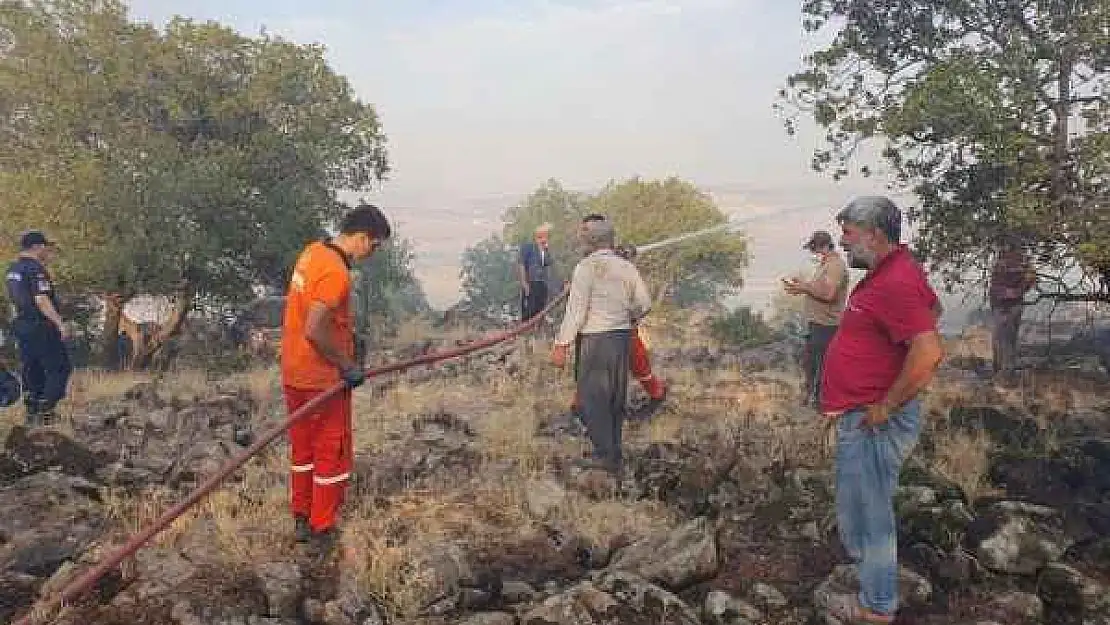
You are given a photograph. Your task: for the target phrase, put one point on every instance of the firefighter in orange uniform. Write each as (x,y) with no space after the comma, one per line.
(318,352)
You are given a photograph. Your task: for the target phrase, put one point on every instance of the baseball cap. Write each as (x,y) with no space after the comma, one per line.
(819,238)
(32,238)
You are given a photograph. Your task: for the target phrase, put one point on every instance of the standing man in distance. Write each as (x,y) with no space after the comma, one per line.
(38,328)
(607,298)
(1011,278)
(885,352)
(532,271)
(824,294)
(318,352)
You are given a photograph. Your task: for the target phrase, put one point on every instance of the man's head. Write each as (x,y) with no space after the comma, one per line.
(596,234)
(362,231)
(34,244)
(820,242)
(872,227)
(592,217)
(542,235)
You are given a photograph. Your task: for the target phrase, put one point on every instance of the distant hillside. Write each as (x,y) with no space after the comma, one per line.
(441,232)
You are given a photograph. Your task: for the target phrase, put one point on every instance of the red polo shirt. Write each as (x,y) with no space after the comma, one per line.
(887,308)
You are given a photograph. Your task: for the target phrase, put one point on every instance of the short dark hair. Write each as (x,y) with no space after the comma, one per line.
(593,217)
(820,240)
(31,238)
(366,218)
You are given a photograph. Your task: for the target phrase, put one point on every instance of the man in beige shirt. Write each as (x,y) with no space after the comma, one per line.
(607,298)
(825,295)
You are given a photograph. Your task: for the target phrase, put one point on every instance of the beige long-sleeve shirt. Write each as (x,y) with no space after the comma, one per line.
(606,293)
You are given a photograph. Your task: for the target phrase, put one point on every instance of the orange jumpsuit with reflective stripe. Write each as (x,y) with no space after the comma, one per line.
(320,443)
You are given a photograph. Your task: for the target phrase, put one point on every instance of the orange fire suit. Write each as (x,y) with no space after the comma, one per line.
(321,443)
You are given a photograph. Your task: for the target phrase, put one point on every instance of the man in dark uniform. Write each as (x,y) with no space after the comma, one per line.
(38,328)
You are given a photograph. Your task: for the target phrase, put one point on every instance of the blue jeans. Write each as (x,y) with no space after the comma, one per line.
(867,466)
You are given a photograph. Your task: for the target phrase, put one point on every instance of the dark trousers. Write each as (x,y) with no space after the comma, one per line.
(602,372)
(532,303)
(817,344)
(46,366)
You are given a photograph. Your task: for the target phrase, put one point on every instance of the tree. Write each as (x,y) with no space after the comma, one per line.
(698,270)
(642,212)
(489,282)
(994,112)
(386,290)
(190,162)
(550,203)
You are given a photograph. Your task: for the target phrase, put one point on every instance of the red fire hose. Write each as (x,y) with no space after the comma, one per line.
(76,588)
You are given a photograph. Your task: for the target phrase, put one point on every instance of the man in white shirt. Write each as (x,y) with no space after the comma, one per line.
(608,297)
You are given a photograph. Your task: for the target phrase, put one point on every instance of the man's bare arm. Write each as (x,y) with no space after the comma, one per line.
(922,361)
(316,331)
(822,290)
(47,308)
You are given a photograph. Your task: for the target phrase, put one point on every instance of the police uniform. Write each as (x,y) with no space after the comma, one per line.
(45,360)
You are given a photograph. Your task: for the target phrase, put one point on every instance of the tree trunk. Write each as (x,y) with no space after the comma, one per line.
(113,315)
(156,341)
(1060,150)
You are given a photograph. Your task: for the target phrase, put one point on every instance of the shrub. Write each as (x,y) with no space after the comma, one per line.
(742,328)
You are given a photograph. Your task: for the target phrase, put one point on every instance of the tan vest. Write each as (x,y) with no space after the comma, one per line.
(828,313)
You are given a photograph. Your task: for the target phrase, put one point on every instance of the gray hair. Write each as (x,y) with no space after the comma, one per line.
(598,234)
(875,212)
(544,227)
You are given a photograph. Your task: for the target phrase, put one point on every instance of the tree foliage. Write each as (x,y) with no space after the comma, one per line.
(189,161)
(553,204)
(642,211)
(994,112)
(699,269)
(489,282)
(386,290)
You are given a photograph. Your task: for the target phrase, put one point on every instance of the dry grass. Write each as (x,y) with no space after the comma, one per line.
(386,539)
(601,521)
(92,385)
(246,518)
(963,458)
(134,512)
(973,342)
(420,329)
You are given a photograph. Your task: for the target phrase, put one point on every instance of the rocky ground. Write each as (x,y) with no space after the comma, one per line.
(466,507)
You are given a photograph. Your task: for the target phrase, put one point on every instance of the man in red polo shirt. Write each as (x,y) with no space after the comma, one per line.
(886,350)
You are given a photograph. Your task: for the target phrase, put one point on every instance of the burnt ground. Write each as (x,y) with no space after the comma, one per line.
(764,490)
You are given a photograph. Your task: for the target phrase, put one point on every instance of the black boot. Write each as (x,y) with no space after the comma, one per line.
(322,545)
(47,413)
(34,417)
(302,532)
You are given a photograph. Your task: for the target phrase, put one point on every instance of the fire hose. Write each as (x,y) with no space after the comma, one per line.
(82,584)
(78,587)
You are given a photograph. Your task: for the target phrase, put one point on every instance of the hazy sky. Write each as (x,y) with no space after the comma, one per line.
(488,97)
(483,100)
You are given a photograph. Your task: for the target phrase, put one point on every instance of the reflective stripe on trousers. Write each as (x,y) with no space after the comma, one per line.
(320,464)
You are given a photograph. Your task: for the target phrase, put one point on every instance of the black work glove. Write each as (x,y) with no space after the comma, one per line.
(353,377)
